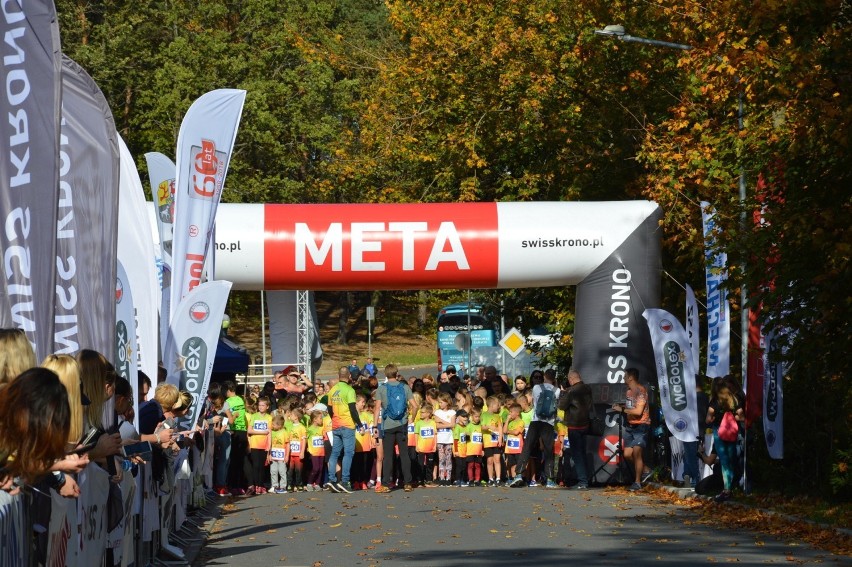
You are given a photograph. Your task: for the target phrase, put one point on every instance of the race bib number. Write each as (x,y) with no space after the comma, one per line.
(443,429)
(477,437)
(566,444)
(295,447)
(411,428)
(277,454)
(317,442)
(260,426)
(495,437)
(427,432)
(462,438)
(513,442)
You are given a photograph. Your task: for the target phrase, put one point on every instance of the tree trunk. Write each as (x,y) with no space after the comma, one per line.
(422,309)
(344,300)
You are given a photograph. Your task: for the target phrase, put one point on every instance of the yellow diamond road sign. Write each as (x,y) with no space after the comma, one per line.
(513,342)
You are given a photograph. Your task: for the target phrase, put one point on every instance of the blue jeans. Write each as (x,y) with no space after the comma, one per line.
(344,441)
(577,439)
(690,460)
(221,458)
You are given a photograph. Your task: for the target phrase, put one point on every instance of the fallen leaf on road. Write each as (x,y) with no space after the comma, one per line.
(336,525)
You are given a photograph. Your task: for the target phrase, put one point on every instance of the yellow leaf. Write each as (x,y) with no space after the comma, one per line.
(336,525)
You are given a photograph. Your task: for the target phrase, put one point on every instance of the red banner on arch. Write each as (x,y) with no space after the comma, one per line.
(425,247)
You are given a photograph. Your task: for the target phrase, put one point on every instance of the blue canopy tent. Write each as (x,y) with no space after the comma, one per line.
(231,359)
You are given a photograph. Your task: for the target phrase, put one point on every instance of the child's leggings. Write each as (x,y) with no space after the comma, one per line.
(295,471)
(317,466)
(445,461)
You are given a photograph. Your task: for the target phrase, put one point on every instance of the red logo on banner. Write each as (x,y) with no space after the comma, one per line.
(349,247)
(607,448)
(199,312)
(119,290)
(205,178)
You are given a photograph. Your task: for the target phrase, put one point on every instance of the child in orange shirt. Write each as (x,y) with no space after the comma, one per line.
(316,449)
(492,440)
(474,449)
(513,429)
(279,445)
(258,428)
(362,461)
(427,444)
(298,442)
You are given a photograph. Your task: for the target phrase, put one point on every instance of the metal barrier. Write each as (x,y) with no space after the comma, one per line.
(145,518)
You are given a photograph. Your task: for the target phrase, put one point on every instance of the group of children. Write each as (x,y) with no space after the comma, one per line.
(453,440)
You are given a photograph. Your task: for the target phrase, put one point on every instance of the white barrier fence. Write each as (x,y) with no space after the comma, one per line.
(110,524)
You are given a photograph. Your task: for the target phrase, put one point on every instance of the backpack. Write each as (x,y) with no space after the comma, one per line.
(397,406)
(545,406)
(728,429)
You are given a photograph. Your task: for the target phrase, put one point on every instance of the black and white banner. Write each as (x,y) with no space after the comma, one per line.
(88,217)
(193,338)
(675,372)
(773,398)
(692,332)
(29,168)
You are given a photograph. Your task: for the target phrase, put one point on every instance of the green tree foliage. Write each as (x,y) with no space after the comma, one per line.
(152,59)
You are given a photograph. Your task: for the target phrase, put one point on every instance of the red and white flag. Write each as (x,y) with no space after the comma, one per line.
(205,142)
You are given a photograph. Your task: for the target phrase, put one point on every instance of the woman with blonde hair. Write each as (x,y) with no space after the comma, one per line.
(16,355)
(66,367)
(97,378)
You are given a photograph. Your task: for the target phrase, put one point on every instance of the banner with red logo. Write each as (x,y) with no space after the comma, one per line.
(718,310)
(29,169)
(88,217)
(205,142)
(773,398)
(675,372)
(193,339)
(136,254)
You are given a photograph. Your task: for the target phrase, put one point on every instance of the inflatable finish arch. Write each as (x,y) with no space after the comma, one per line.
(610,250)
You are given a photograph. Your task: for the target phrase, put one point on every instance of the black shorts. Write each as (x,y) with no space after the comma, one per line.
(512,460)
(491,451)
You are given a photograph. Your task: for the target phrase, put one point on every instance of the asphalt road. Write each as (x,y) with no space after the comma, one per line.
(483,526)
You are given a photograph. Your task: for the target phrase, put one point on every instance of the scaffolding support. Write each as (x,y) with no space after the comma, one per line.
(303,331)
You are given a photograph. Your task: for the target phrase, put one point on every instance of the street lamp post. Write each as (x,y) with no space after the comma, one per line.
(617,31)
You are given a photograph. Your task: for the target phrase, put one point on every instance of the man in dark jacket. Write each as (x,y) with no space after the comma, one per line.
(576,401)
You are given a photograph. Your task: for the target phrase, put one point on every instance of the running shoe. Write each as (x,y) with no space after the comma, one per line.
(407,488)
(517,481)
(280,491)
(344,487)
(581,487)
(333,486)
(533,483)
(382,489)
(551,484)
(647,474)
(635,486)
